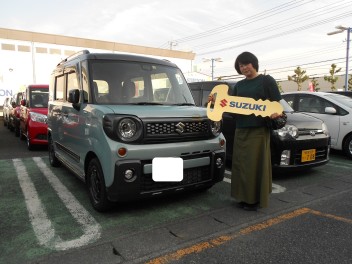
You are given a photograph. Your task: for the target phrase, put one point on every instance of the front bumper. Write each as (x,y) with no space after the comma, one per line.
(295,148)
(202,176)
(38,133)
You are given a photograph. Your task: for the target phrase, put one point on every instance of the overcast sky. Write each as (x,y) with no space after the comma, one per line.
(283,34)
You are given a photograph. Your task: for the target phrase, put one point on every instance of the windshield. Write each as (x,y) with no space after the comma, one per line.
(39,97)
(341,99)
(121,82)
(286,106)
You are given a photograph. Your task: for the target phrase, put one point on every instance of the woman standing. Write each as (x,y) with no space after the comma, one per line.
(251,163)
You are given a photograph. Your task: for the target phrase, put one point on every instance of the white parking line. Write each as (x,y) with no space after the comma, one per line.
(275,187)
(42,225)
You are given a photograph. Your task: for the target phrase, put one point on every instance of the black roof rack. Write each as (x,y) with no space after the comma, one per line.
(73,56)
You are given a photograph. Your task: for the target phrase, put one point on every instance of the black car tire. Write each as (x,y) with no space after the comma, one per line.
(96,186)
(53,160)
(347,146)
(29,145)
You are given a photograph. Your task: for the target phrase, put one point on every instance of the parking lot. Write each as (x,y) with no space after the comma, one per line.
(46,217)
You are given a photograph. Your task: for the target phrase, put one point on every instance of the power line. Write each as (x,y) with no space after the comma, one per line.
(240,23)
(301,28)
(277,25)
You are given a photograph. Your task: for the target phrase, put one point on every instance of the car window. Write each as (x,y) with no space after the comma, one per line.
(286,106)
(313,104)
(341,99)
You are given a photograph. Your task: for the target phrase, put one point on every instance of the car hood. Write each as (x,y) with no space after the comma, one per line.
(43,111)
(160,111)
(303,121)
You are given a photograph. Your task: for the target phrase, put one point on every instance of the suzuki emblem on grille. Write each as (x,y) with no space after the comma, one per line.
(312,133)
(180,127)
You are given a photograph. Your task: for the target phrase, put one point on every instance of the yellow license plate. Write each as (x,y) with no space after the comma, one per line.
(308,155)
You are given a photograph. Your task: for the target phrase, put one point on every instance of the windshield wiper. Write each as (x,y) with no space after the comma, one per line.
(147,103)
(181,104)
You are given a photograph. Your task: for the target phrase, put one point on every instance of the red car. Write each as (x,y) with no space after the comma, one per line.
(34,110)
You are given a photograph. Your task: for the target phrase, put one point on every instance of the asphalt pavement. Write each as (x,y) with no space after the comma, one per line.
(308,221)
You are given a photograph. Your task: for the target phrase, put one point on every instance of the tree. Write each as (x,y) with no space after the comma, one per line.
(332,78)
(299,77)
(315,84)
(349,84)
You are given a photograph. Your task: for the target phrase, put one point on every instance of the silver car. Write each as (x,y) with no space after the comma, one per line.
(334,109)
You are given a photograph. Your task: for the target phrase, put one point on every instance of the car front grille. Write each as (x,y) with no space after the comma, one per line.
(170,128)
(305,132)
(175,130)
(42,136)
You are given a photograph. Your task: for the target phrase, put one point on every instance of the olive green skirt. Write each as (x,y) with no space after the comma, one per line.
(251,166)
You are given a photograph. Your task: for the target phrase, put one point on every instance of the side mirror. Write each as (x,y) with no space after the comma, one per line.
(73,97)
(330,110)
(23,102)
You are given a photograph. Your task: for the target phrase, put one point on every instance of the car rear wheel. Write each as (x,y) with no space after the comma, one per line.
(96,186)
(54,162)
(347,146)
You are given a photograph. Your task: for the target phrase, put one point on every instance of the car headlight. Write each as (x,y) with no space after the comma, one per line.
(288,130)
(36,117)
(215,127)
(325,129)
(128,129)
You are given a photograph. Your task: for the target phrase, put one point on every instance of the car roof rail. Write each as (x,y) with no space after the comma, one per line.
(82,52)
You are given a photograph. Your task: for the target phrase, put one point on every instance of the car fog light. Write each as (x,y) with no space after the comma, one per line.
(219,163)
(285,157)
(129,175)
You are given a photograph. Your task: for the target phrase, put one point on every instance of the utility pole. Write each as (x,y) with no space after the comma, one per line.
(212,65)
(340,30)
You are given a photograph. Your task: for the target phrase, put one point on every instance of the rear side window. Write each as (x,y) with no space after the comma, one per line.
(59,88)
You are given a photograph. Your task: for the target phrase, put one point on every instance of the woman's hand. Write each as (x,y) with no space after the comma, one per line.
(211,98)
(275,115)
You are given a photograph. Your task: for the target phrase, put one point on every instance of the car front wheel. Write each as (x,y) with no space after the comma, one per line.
(96,186)
(347,146)
(54,162)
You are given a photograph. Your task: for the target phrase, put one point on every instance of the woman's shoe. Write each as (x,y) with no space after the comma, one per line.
(241,204)
(250,207)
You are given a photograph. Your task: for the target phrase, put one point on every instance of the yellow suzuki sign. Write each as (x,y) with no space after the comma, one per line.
(239,105)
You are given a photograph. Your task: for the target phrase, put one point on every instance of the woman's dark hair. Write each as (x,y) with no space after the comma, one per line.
(246,58)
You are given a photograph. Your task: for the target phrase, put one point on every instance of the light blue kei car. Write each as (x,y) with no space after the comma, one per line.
(111,115)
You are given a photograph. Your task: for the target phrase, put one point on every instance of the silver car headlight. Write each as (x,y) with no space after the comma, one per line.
(325,129)
(36,117)
(215,127)
(288,130)
(127,129)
